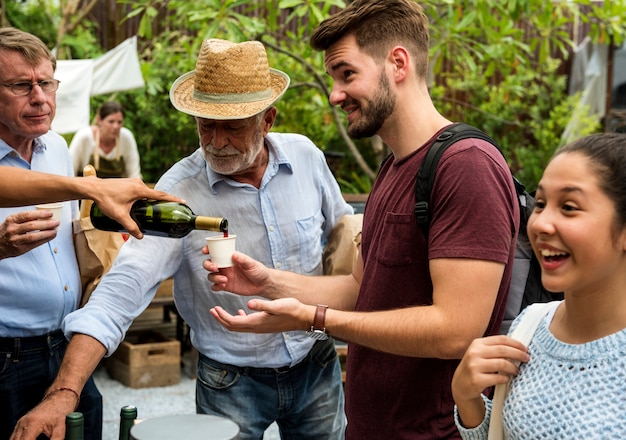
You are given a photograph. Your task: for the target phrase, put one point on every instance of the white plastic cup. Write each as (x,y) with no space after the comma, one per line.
(221,249)
(56,208)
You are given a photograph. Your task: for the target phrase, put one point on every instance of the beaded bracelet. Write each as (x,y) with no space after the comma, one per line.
(56,390)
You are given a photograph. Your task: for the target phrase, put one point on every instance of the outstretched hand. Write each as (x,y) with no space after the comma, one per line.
(246,277)
(268,316)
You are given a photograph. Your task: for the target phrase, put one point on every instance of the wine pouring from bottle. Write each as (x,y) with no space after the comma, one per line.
(163,219)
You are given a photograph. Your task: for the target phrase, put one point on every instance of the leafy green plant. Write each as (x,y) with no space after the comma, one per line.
(503,79)
(502,72)
(492,62)
(356,184)
(526,113)
(36,18)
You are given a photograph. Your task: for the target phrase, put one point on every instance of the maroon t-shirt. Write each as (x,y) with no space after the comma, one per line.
(474,215)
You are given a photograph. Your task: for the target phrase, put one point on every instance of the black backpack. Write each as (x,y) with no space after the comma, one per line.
(526,287)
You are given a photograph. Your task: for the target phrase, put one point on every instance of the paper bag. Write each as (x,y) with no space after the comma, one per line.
(341,250)
(95,249)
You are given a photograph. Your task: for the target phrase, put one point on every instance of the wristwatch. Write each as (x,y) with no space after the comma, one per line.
(318,330)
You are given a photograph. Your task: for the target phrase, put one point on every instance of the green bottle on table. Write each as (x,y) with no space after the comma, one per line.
(74,426)
(128,415)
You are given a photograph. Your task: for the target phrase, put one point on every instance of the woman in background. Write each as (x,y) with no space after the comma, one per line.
(107,145)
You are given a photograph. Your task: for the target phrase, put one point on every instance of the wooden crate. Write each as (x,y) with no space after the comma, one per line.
(145,359)
(342,354)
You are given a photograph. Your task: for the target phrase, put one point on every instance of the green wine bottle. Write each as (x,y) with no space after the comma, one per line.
(128,414)
(163,219)
(74,426)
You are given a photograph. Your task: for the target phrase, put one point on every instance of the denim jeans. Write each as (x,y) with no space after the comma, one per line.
(306,401)
(27,368)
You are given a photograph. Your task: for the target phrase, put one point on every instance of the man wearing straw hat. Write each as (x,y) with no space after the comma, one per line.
(413,303)
(282,202)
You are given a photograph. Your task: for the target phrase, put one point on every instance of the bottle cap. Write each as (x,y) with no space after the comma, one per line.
(75,416)
(129,410)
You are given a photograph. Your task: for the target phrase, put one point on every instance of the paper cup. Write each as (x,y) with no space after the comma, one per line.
(56,208)
(221,249)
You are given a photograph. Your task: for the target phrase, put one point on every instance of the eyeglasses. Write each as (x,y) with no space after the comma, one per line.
(23,88)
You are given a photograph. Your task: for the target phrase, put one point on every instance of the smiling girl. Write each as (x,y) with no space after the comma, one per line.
(572,380)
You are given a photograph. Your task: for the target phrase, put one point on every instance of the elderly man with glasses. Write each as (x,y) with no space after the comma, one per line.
(39,276)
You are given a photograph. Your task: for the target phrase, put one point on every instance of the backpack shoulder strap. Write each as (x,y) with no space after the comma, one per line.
(426,175)
(530,321)
(524,333)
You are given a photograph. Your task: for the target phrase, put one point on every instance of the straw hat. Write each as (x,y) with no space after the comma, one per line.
(231,81)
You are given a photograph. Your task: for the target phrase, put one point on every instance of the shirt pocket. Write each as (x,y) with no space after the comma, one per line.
(309,232)
(396,241)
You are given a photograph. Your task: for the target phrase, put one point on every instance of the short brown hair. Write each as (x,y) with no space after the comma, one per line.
(377,26)
(31,47)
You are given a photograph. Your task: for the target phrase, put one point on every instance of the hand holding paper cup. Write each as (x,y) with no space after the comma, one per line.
(56,208)
(221,249)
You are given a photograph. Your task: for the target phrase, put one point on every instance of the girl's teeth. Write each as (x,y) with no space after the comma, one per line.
(550,253)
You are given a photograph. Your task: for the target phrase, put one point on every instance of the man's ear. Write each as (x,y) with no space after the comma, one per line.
(400,61)
(268,119)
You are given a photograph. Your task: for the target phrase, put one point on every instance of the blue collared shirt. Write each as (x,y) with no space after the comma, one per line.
(283,224)
(39,288)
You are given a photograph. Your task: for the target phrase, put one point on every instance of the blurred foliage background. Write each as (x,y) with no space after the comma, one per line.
(497,64)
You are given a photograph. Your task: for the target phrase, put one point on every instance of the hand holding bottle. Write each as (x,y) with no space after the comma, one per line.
(115,197)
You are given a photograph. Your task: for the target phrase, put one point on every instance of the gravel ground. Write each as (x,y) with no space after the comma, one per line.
(150,402)
(154,401)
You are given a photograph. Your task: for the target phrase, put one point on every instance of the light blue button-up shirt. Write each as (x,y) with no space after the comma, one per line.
(283,224)
(39,288)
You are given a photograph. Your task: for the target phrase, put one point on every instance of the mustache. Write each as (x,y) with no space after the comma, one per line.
(220,152)
(349,102)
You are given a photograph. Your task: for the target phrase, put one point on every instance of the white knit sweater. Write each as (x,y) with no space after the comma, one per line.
(565,391)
